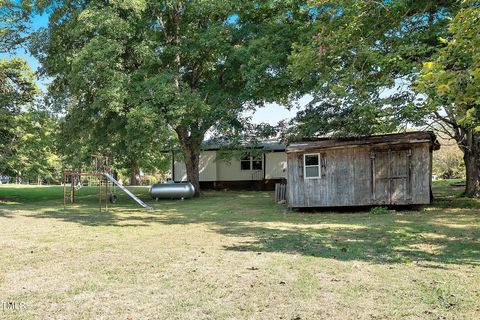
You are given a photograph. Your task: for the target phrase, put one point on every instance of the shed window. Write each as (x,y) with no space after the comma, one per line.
(312,166)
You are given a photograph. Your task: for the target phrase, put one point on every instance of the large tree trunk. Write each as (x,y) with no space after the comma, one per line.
(468,140)
(192,161)
(191,144)
(471,157)
(134,174)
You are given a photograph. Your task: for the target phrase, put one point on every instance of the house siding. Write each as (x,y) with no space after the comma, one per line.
(207,167)
(275,165)
(228,174)
(230,171)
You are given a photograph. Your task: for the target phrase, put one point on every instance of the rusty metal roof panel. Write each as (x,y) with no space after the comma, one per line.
(394,138)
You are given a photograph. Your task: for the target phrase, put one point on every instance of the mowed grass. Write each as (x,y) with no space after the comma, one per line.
(235,255)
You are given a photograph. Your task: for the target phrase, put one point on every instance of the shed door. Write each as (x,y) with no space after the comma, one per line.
(391,183)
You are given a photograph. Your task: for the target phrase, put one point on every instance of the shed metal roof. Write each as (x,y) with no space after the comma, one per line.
(394,138)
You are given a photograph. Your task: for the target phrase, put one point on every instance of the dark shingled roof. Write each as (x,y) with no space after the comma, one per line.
(385,139)
(271,145)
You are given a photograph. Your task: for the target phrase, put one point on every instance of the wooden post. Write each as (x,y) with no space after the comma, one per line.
(64,190)
(107,170)
(106,195)
(409,174)
(372,166)
(264,167)
(390,180)
(280,192)
(100,191)
(71,189)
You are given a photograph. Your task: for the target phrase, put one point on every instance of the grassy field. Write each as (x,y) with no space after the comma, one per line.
(235,255)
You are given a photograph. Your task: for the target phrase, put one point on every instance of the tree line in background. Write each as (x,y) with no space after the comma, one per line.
(131,79)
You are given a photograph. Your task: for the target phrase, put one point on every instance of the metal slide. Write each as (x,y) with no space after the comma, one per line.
(131,195)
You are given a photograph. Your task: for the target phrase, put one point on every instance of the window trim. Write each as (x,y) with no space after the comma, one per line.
(312,166)
(259,159)
(251,159)
(244,159)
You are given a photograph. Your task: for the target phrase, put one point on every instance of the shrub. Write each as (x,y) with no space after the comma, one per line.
(448,161)
(379,210)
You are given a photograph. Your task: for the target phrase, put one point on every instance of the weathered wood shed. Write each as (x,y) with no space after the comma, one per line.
(392,169)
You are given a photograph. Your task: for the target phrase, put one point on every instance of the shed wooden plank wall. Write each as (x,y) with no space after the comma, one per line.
(356,176)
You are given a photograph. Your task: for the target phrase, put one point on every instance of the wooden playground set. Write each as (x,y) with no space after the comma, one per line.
(100,169)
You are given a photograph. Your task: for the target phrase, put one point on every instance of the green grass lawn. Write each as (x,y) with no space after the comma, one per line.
(235,255)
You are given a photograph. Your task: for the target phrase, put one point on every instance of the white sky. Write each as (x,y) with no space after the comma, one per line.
(272,113)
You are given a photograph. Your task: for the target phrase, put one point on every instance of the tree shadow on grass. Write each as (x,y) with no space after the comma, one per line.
(446,233)
(5,213)
(399,241)
(111,218)
(83,217)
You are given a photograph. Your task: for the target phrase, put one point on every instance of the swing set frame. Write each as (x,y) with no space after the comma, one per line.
(102,166)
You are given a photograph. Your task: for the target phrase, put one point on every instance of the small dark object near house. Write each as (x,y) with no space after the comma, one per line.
(392,169)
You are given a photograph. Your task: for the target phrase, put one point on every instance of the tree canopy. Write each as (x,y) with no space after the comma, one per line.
(359,59)
(93,53)
(15,21)
(17,89)
(129,73)
(451,83)
(27,133)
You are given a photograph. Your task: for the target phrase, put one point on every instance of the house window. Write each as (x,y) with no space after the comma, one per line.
(246,163)
(251,163)
(312,166)
(257,163)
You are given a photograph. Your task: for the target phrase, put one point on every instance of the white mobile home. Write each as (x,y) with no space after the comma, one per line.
(260,171)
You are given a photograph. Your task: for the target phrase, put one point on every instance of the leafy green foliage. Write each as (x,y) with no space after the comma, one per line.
(35,155)
(359,59)
(452,79)
(209,68)
(129,73)
(340,117)
(15,21)
(26,135)
(448,161)
(17,86)
(379,210)
(93,52)
(17,90)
